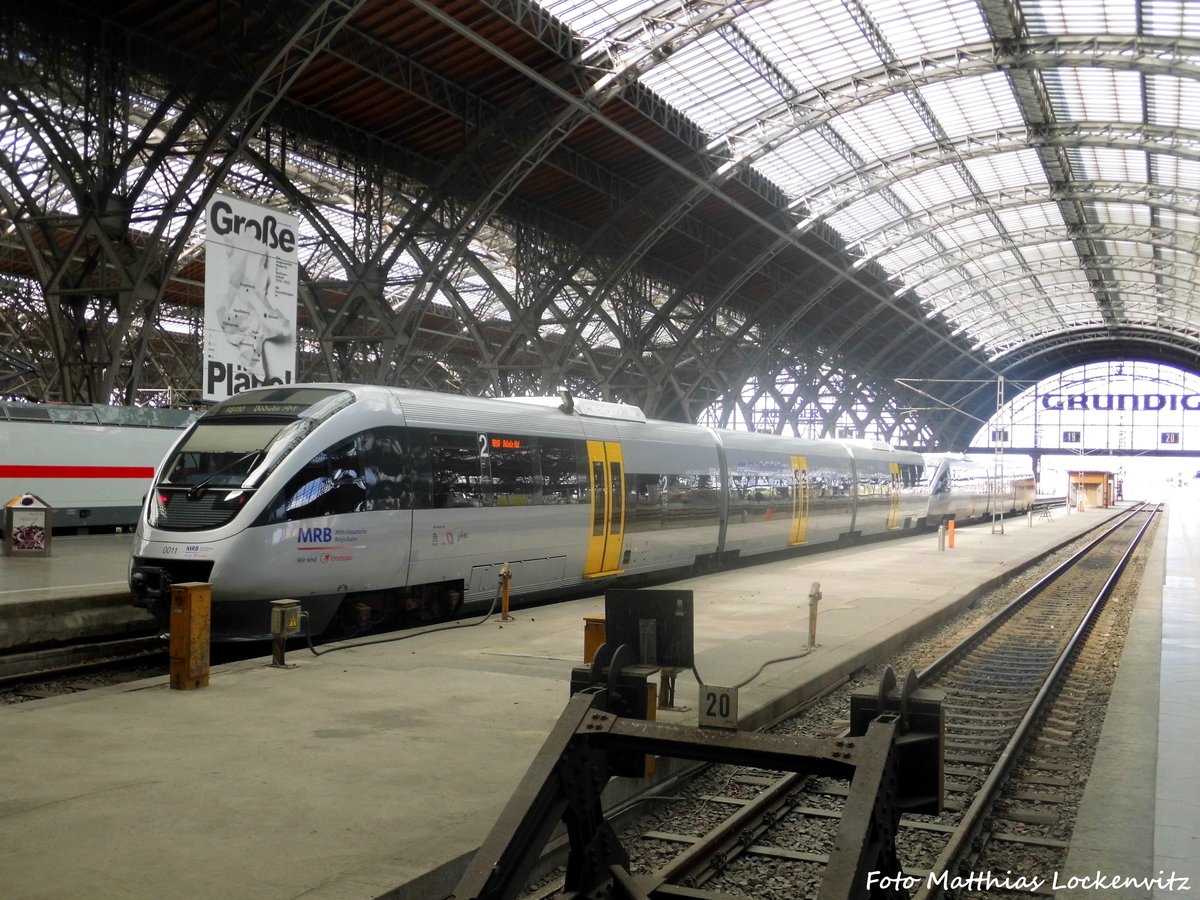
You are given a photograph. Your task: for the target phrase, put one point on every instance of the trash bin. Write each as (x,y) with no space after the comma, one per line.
(27,525)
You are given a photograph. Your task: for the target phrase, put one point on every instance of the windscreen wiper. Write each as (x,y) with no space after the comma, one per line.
(196,491)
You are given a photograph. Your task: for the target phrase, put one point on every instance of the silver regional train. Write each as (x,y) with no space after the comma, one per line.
(367,503)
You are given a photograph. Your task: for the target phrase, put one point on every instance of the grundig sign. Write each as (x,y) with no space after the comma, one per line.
(1122,402)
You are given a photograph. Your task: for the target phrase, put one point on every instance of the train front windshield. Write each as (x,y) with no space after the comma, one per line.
(231,449)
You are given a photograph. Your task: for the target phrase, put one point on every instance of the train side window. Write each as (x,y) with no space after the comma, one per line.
(644,504)
(388,468)
(455,464)
(331,483)
(514,474)
(561,476)
(418,448)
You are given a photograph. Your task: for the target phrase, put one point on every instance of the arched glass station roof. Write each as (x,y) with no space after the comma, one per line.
(1028,170)
(860,213)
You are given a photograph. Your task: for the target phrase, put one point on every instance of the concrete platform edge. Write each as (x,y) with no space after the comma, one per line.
(876,648)
(1114,828)
(37,622)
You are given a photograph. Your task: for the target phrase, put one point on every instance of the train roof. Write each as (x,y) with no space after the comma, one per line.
(97,414)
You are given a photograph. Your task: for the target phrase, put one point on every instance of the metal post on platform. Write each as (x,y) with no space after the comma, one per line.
(505,579)
(814,597)
(941,537)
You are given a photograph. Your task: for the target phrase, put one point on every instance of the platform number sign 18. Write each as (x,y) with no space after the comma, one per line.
(718,707)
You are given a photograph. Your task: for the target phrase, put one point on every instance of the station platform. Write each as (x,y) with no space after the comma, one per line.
(80,590)
(375,770)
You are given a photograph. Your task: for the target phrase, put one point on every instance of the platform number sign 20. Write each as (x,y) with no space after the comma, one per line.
(718,707)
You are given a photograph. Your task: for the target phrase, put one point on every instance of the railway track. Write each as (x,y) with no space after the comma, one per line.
(37,674)
(1011,707)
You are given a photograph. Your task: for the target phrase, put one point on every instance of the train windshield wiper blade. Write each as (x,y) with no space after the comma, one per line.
(196,491)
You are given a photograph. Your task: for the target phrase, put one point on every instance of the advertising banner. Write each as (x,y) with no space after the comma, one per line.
(250,279)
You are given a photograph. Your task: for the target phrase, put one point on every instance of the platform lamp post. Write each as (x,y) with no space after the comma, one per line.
(998,435)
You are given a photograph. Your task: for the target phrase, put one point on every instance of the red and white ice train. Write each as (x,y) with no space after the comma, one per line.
(92,464)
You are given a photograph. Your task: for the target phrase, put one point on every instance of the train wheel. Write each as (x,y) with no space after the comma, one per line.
(441,604)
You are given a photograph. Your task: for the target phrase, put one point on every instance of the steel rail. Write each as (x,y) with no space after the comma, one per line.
(725,837)
(973,818)
(939,666)
(77,659)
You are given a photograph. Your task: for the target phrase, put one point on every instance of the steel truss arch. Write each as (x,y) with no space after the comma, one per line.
(107,279)
(1154,240)
(823,103)
(633,49)
(881,174)
(888,238)
(963,302)
(1079,133)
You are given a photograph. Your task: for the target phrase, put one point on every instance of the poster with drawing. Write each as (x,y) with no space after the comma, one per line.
(250,278)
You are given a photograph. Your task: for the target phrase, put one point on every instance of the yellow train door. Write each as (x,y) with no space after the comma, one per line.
(894,510)
(799,500)
(606,476)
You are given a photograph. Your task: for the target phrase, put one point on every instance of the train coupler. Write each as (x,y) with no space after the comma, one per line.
(150,585)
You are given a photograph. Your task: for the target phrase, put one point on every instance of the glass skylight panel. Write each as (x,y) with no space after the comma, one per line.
(1127,249)
(884,128)
(931,190)
(902,257)
(1183,261)
(948,289)
(863,217)
(1080,16)
(988,266)
(972,105)
(1187,224)
(1173,102)
(1175,171)
(1108,164)
(1015,169)
(592,19)
(1132,279)
(1095,95)
(804,165)
(1017,219)
(1171,18)
(712,84)
(813,42)
(966,231)
(926,260)
(1050,251)
(1121,213)
(916,27)
(972,267)
(1049,277)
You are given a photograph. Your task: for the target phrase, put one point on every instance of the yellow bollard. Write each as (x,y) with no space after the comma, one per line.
(594,635)
(950,533)
(191,624)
